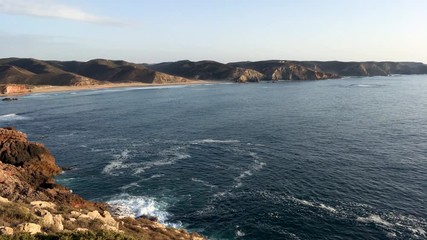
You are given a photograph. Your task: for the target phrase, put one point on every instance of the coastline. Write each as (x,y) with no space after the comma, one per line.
(31,202)
(51,89)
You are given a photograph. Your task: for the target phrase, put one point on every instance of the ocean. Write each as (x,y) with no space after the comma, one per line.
(332,159)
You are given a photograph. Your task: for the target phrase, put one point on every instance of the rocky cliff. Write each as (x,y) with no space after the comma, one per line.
(285,70)
(14,89)
(32,203)
(334,68)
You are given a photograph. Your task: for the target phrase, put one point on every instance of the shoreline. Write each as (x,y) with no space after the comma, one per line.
(53,89)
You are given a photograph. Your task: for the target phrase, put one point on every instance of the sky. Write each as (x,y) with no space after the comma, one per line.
(152,31)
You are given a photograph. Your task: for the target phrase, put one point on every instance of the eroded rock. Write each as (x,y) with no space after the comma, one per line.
(6,230)
(43,204)
(31,228)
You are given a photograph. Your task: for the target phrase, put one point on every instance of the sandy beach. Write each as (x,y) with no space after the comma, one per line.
(49,89)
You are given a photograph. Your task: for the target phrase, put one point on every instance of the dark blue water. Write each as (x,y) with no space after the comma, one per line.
(334,159)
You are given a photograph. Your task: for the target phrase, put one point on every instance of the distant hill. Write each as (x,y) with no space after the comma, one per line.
(368,68)
(208,70)
(73,73)
(99,71)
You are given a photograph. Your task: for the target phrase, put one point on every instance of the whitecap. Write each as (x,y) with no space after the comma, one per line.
(125,205)
(418,231)
(314,204)
(169,157)
(207,141)
(117,164)
(303,202)
(328,208)
(254,167)
(207,184)
(374,219)
(130,185)
(240,233)
(12,117)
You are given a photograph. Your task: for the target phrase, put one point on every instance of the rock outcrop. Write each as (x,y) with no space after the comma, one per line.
(14,89)
(285,70)
(31,201)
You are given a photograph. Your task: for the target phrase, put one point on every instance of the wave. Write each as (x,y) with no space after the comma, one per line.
(374,219)
(12,117)
(130,185)
(366,85)
(394,224)
(114,167)
(314,204)
(256,166)
(125,205)
(204,183)
(169,156)
(195,142)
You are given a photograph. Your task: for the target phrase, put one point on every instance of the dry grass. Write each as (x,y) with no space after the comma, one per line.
(12,214)
(90,235)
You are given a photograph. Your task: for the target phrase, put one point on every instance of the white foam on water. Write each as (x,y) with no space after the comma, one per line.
(314,204)
(328,208)
(114,167)
(130,185)
(12,117)
(374,219)
(256,166)
(169,157)
(204,183)
(418,231)
(125,205)
(303,202)
(207,141)
(240,233)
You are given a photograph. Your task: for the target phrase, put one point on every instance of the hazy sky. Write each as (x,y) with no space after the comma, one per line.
(221,30)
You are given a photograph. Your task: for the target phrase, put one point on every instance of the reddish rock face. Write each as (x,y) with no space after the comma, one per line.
(27,170)
(14,89)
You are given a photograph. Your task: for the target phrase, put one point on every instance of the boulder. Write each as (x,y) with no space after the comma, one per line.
(47,218)
(106,218)
(31,228)
(6,230)
(43,205)
(82,229)
(9,99)
(57,225)
(4,200)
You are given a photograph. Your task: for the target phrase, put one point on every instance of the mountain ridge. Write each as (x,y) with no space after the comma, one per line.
(32,71)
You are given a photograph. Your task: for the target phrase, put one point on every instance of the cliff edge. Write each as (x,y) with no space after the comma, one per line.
(34,206)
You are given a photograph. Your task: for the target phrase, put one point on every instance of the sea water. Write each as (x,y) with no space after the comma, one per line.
(333,159)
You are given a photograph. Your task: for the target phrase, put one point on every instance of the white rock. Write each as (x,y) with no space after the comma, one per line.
(4,200)
(47,220)
(6,230)
(57,225)
(31,228)
(43,204)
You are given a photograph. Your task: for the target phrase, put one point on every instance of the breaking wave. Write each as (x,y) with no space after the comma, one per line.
(125,205)
(12,117)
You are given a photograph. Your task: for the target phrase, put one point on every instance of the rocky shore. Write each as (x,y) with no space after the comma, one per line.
(33,205)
